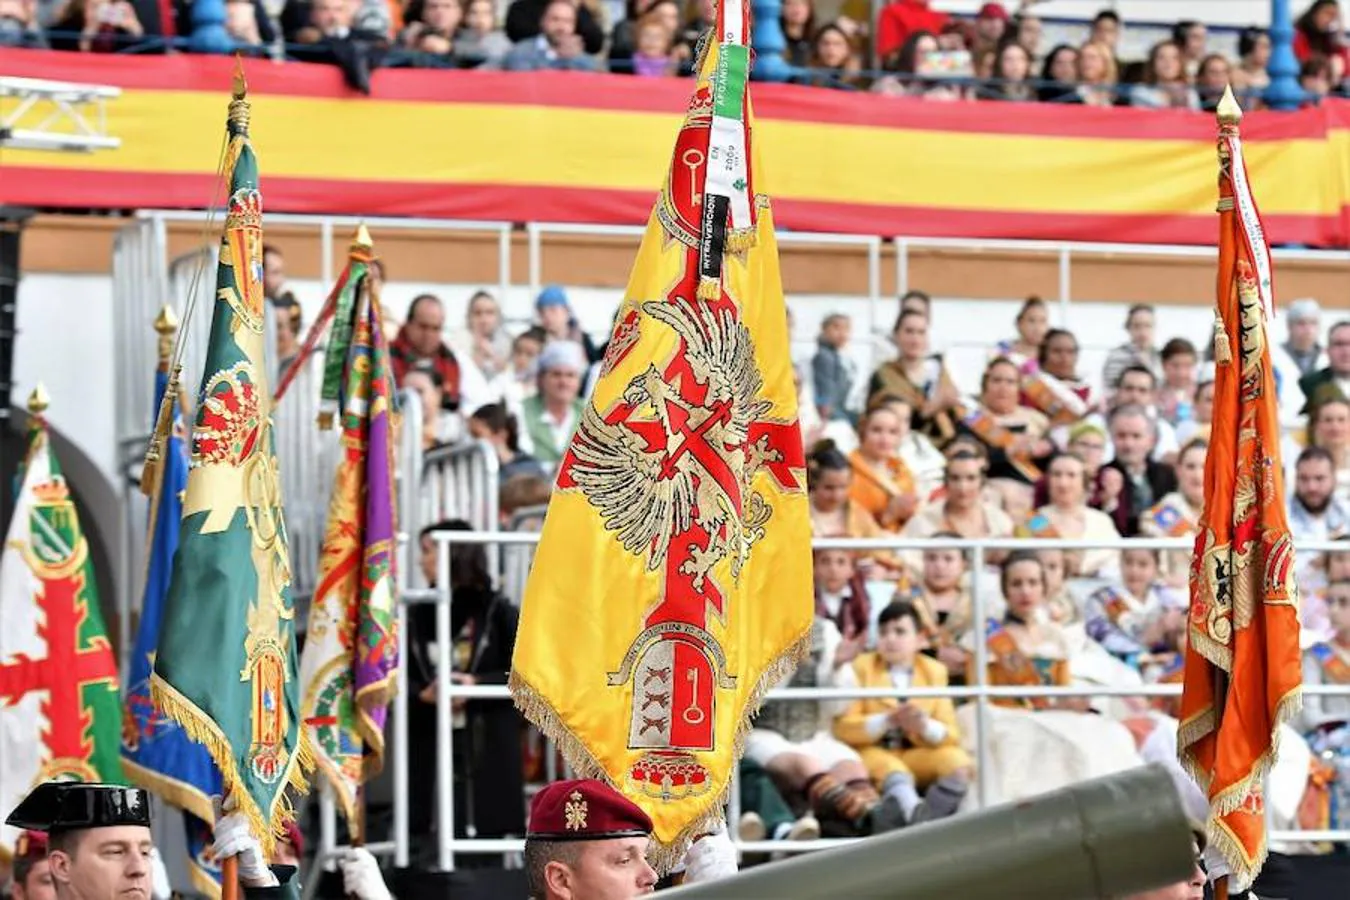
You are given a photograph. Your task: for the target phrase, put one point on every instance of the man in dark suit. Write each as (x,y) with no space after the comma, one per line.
(1132,482)
(1333,382)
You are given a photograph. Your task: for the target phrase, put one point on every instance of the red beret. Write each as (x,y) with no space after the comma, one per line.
(993,11)
(29,850)
(295,838)
(585,809)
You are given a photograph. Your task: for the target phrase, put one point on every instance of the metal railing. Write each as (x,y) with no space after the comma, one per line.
(981,692)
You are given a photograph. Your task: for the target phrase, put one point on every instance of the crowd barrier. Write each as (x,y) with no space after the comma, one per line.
(980,692)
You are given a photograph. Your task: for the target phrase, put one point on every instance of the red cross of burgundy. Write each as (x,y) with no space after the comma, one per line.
(66,669)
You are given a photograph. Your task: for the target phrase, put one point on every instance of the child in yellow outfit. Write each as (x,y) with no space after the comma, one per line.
(906,745)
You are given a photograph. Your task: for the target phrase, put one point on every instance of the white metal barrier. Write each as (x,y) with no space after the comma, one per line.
(981,692)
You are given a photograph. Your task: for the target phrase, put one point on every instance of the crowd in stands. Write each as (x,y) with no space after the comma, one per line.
(1038,451)
(916,50)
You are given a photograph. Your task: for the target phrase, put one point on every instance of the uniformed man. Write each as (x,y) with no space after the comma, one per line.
(32,872)
(98,839)
(586,841)
(258,880)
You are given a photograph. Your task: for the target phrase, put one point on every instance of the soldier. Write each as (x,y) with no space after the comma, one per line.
(586,840)
(32,872)
(98,839)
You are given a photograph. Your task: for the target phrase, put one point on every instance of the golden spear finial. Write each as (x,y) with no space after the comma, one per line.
(166,326)
(38,401)
(1229,112)
(362,237)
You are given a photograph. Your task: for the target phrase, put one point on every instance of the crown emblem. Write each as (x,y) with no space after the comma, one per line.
(245,209)
(230,419)
(575,811)
(50,493)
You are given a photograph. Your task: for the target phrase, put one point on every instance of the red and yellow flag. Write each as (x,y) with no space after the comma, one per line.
(1242,675)
(672,584)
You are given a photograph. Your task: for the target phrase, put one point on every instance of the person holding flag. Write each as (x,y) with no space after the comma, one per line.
(1243,673)
(60,713)
(672,584)
(156,753)
(225,667)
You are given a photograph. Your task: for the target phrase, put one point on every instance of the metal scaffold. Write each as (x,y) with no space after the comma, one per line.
(37,114)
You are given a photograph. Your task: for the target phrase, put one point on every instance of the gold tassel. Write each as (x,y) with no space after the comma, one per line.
(709,288)
(741,240)
(325,420)
(1223,350)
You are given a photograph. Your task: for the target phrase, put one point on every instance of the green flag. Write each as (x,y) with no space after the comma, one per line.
(60,715)
(225,668)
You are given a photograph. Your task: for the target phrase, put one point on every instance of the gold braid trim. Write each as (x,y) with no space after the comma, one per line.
(200,728)
(709,288)
(741,240)
(663,856)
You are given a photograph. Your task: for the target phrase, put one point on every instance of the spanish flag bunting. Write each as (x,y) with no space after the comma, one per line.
(1242,673)
(672,584)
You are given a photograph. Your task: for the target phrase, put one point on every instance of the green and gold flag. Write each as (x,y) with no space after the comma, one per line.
(225,667)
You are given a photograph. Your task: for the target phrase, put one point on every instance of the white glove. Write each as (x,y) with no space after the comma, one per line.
(361,876)
(160,889)
(711,857)
(234,839)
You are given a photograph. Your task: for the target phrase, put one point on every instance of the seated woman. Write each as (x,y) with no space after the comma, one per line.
(1054,388)
(906,745)
(919,378)
(1033,321)
(1329,428)
(1068,516)
(1325,721)
(924,460)
(829,480)
(942,600)
(1177,515)
(494,424)
(962,511)
(1060,605)
(1024,649)
(1133,618)
(1314,605)
(882,484)
(1015,435)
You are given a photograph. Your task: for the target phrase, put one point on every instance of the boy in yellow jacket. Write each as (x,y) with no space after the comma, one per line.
(906,745)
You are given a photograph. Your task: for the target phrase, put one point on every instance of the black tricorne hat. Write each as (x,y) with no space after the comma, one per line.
(57,806)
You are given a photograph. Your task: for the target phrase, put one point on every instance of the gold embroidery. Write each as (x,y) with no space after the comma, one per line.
(575,810)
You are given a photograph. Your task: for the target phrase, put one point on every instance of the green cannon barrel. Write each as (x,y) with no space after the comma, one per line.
(1108,837)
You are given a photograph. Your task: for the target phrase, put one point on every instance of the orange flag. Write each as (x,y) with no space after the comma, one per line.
(1242,674)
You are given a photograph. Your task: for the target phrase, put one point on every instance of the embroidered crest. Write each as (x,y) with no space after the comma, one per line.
(230,420)
(575,810)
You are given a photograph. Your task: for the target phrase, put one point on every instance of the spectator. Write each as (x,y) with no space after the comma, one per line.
(832,371)
(901,19)
(1061,607)
(522,502)
(494,424)
(906,63)
(556,44)
(963,511)
(242,23)
(96,26)
(1025,648)
(1301,354)
(437,427)
(432,29)
(520,381)
(1211,80)
(943,602)
(919,378)
(1165,84)
(1014,435)
(1319,33)
(1027,31)
(484,343)
(798,22)
(1316,78)
(882,484)
(1139,350)
(420,340)
(1193,39)
(1203,412)
(906,745)
(829,478)
(550,416)
(1315,512)
(487,743)
(1176,397)
(1253,57)
(1139,387)
(991,24)
(560,323)
(1097,75)
(1130,618)
(480,41)
(1059,76)
(1133,481)
(1326,720)
(333,35)
(1054,387)
(19,25)
(1332,382)
(525,20)
(1068,516)
(1106,30)
(1033,320)
(289,322)
(833,62)
(924,461)
(1177,514)
(1330,430)
(274,275)
(656,55)
(623,37)
(1012,68)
